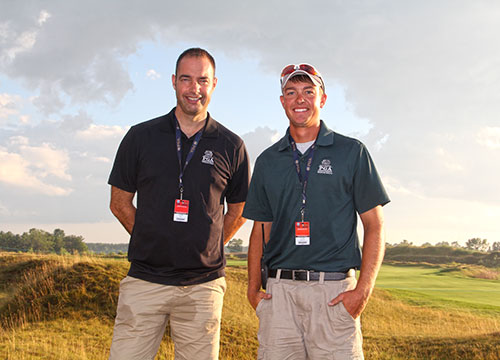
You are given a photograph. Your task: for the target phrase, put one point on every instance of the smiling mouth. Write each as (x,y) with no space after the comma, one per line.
(300,110)
(190,98)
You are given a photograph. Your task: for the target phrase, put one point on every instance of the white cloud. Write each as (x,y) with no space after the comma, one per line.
(153,75)
(45,160)
(19,140)
(489,137)
(80,121)
(43,17)
(101,132)
(49,100)
(15,41)
(9,105)
(66,55)
(3,209)
(17,171)
(449,161)
(258,140)
(395,187)
(50,172)
(19,44)
(34,167)
(381,142)
(275,137)
(102,159)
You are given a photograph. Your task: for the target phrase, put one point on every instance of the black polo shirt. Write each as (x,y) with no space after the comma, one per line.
(177,253)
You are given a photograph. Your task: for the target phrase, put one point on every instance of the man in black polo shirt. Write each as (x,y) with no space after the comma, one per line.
(305,194)
(182,166)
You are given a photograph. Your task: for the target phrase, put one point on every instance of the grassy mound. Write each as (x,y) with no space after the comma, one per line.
(51,287)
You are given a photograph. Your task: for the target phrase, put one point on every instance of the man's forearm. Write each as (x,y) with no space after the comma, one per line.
(126,217)
(233,220)
(254,256)
(373,252)
(122,207)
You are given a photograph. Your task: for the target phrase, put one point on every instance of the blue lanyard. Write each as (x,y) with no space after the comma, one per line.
(189,155)
(304,180)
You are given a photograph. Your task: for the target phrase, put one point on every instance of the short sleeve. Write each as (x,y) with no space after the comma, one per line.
(257,206)
(369,191)
(237,189)
(124,172)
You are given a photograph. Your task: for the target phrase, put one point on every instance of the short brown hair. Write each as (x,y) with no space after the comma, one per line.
(195,52)
(303,78)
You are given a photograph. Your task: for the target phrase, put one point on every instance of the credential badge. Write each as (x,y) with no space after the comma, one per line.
(325,167)
(208,157)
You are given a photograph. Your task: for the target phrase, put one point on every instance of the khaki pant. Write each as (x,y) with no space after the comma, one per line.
(297,323)
(144,309)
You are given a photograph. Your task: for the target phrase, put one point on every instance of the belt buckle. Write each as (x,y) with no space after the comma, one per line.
(296,272)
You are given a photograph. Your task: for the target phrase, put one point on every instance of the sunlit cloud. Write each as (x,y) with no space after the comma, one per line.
(101,132)
(489,137)
(153,75)
(43,17)
(449,161)
(20,172)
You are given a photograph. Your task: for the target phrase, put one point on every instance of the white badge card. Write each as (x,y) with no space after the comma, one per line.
(302,233)
(181,210)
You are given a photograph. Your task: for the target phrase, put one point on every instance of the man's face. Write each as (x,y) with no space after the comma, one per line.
(194,84)
(302,102)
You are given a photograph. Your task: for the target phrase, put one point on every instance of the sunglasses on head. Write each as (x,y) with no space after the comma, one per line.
(304,67)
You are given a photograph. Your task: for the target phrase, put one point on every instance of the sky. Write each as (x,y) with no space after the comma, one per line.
(417,82)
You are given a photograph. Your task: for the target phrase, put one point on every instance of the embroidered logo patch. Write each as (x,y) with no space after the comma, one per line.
(325,167)
(208,158)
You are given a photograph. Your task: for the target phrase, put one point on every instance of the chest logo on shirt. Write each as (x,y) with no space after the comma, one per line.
(208,157)
(325,167)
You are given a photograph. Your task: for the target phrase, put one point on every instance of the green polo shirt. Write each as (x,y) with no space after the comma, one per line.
(342,182)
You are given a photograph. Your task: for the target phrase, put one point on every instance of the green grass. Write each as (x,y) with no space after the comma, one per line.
(236,263)
(435,286)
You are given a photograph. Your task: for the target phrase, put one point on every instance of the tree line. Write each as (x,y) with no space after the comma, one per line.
(235,245)
(107,248)
(474,244)
(476,251)
(41,241)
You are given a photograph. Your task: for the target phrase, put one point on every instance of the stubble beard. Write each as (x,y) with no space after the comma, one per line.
(192,109)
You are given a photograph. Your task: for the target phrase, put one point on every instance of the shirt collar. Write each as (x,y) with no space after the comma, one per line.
(325,137)
(209,131)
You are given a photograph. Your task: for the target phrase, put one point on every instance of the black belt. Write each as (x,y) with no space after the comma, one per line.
(309,275)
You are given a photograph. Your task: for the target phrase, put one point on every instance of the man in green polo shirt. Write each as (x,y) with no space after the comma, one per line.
(304,197)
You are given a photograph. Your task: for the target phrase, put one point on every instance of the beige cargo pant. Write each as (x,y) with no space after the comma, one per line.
(144,310)
(297,323)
